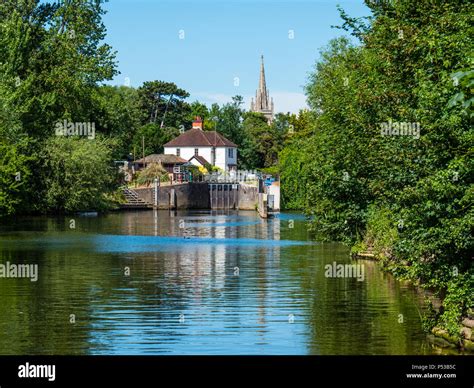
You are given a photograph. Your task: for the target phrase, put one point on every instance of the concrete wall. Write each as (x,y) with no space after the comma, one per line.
(196,196)
(186,196)
(274,190)
(145,194)
(191,196)
(248,197)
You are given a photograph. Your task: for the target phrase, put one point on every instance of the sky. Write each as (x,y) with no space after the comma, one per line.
(212,48)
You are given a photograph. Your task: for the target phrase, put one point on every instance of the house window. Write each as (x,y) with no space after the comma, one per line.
(196,151)
(231,153)
(213,156)
(178,152)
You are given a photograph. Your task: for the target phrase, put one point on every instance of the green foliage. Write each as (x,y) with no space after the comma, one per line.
(14,177)
(195,173)
(458,299)
(409,197)
(262,142)
(117,114)
(154,138)
(465,80)
(250,152)
(151,172)
(382,231)
(163,104)
(272,170)
(52,57)
(77,174)
(428,320)
(199,110)
(55,56)
(295,158)
(295,161)
(227,120)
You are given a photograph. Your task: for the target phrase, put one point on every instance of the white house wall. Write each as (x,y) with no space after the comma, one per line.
(222,159)
(188,152)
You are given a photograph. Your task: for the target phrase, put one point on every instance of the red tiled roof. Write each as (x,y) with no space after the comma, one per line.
(197,137)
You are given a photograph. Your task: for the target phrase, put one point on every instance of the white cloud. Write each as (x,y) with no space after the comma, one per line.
(284,101)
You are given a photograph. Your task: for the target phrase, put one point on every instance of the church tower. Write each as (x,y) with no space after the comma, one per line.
(263,103)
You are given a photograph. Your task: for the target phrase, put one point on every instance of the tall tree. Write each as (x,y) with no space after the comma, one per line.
(164,103)
(52,56)
(117,114)
(229,121)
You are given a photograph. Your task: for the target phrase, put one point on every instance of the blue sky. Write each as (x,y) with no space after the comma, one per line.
(212,48)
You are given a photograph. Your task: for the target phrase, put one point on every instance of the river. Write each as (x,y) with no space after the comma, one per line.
(195,282)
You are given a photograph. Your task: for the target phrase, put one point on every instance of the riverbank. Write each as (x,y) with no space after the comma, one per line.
(438,335)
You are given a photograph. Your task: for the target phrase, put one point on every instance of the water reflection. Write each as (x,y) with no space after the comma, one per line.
(158,282)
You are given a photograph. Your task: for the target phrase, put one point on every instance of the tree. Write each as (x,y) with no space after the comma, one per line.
(262,142)
(405,192)
(251,153)
(154,138)
(164,103)
(229,120)
(14,175)
(78,174)
(52,56)
(56,56)
(198,110)
(118,115)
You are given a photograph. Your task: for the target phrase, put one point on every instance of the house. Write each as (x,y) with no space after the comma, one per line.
(204,147)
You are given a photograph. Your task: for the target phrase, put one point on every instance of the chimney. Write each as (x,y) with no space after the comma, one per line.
(197,123)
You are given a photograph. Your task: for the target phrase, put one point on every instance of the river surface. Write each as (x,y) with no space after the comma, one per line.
(191,282)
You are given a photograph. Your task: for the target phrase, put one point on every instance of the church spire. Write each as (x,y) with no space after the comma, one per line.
(262,85)
(262,100)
